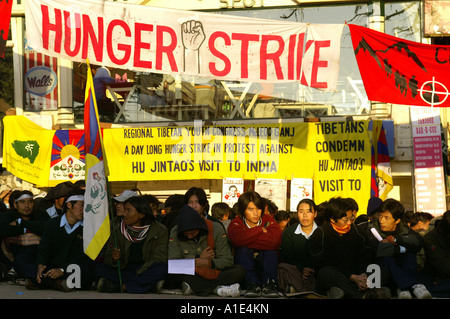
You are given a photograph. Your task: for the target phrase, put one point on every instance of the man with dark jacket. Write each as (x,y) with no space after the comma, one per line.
(436,274)
(395,246)
(198,238)
(61,246)
(338,253)
(139,246)
(21,229)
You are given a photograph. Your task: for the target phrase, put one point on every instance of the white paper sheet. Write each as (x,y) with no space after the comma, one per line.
(182,266)
(376,234)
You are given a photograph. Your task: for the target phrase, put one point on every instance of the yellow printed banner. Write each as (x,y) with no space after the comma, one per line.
(27,149)
(342,161)
(335,155)
(207,152)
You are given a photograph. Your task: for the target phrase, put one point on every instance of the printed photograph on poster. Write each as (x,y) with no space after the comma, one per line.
(300,188)
(232,188)
(273,189)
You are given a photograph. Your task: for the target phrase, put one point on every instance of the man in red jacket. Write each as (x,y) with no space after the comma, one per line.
(256,238)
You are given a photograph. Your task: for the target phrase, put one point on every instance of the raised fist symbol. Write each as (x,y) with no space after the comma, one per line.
(192,34)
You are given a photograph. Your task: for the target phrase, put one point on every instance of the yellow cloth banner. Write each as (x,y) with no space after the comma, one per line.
(341,153)
(336,155)
(27,149)
(207,152)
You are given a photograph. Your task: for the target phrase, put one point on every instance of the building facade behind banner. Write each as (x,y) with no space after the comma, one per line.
(51,91)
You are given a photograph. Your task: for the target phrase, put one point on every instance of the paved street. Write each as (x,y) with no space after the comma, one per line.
(95,304)
(8,291)
(15,291)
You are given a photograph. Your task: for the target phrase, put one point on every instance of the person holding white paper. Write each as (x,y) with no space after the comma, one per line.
(206,242)
(182,266)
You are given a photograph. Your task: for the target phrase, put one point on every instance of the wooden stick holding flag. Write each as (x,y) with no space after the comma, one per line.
(97,228)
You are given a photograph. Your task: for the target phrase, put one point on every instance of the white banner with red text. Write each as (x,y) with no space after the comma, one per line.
(160,40)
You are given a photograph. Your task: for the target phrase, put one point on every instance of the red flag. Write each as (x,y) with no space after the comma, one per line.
(5,17)
(399,71)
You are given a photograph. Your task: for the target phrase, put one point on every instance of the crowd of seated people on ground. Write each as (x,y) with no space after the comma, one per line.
(252,249)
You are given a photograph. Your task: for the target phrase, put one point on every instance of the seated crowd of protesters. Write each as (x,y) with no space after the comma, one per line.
(331,250)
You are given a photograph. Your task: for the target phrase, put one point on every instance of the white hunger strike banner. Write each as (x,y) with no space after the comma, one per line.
(161,40)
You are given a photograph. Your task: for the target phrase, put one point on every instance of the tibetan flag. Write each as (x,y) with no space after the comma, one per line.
(96,219)
(381,181)
(384,174)
(67,161)
(399,71)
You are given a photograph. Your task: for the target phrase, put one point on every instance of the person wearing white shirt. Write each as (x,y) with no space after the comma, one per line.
(295,249)
(61,249)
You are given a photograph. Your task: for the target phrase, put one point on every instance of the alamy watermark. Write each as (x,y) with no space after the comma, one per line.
(74,279)
(374,276)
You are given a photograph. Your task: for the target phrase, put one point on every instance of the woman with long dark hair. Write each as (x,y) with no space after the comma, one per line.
(141,251)
(197,199)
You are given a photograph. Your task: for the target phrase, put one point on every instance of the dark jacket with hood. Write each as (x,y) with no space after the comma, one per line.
(437,251)
(347,252)
(404,236)
(181,247)
(36,225)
